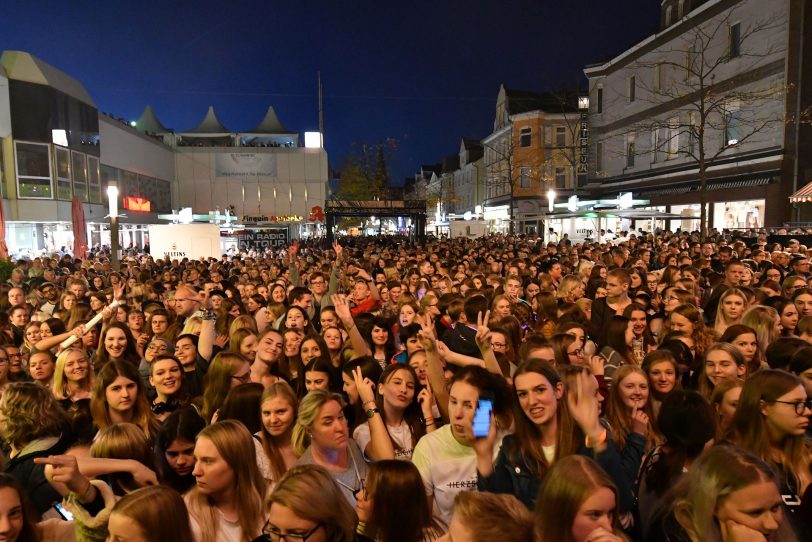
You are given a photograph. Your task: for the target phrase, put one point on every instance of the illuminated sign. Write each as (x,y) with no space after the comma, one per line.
(263,239)
(133,203)
(272,218)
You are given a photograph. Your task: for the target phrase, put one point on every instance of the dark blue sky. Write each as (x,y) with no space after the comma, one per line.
(423,72)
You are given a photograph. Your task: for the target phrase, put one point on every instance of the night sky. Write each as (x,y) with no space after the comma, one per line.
(423,72)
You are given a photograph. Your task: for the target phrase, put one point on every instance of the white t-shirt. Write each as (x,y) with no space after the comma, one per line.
(401,436)
(227,531)
(447,468)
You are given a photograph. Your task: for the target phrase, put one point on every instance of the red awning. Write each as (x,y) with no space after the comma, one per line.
(803,195)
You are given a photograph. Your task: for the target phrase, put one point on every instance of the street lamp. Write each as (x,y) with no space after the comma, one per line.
(112,197)
(551,199)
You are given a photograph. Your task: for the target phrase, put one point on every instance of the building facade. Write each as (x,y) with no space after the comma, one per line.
(713,98)
(55,144)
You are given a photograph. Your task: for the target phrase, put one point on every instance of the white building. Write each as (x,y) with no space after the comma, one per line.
(738,64)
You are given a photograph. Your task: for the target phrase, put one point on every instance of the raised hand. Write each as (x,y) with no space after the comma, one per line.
(483,333)
(639,421)
(426,327)
(426,400)
(338,249)
(221,341)
(293,249)
(596,363)
(365,386)
(118,290)
(583,404)
(341,307)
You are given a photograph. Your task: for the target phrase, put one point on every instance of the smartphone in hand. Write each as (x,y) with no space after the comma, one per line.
(482,417)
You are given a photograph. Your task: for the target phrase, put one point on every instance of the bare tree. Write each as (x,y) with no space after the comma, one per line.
(709,91)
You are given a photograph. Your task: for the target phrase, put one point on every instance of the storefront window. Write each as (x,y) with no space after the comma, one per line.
(63,181)
(691,212)
(33,170)
(79,175)
(93,179)
(738,215)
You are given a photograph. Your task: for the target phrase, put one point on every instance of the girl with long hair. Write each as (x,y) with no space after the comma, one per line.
(722,361)
(171,389)
(766,322)
(732,304)
(399,402)
(226,503)
(119,397)
(630,414)
(550,422)
(771,421)
(175,446)
(662,371)
(319,374)
(135,517)
(117,343)
(227,370)
(728,494)
(745,339)
(308,501)
(275,455)
(393,506)
(380,341)
(725,401)
(689,320)
(73,377)
(312,347)
(334,341)
(580,504)
(321,437)
(244,341)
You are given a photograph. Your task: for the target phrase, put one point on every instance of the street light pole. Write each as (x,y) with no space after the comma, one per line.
(112,196)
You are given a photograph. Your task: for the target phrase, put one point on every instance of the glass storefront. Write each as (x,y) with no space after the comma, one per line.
(738,215)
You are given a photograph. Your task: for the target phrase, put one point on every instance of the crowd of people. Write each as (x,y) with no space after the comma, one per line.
(379,389)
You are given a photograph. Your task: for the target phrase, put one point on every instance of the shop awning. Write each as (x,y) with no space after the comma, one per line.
(725,184)
(803,195)
(637,214)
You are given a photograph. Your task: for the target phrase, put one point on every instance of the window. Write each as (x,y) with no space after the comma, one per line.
(79,168)
(630,150)
(632,84)
(733,125)
(734,41)
(691,59)
(692,134)
(524,177)
(525,137)
(680,9)
(93,179)
(658,76)
(63,180)
(33,170)
(655,144)
(600,100)
(560,177)
(668,11)
(548,136)
(672,142)
(599,156)
(560,136)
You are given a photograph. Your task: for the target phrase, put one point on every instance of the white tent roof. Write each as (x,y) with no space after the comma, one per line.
(209,126)
(148,122)
(22,66)
(270,125)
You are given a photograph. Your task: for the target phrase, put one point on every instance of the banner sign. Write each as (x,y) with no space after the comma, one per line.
(178,241)
(263,239)
(244,164)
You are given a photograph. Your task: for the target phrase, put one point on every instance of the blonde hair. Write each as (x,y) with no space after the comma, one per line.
(309,409)
(30,412)
(243,321)
(235,445)
(494,516)
(192,326)
(567,285)
(312,493)
(59,385)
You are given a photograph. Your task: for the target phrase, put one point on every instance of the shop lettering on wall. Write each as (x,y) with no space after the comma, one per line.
(272,218)
(261,240)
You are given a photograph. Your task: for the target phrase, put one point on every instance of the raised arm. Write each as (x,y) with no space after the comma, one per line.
(342,308)
(436,376)
(380,445)
(292,269)
(483,341)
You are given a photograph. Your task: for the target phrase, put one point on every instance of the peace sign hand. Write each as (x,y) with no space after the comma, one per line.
(483,333)
(365,386)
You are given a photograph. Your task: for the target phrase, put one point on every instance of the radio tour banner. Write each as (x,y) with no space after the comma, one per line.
(263,239)
(244,164)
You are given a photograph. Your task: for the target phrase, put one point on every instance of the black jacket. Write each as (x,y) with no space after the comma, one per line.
(32,476)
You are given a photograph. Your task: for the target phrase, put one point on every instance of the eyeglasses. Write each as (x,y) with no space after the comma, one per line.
(159,347)
(12,355)
(800,406)
(275,535)
(498,345)
(242,379)
(577,352)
